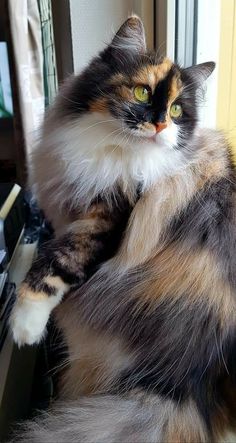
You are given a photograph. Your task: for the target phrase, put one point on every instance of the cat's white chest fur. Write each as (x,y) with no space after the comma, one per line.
(92,155)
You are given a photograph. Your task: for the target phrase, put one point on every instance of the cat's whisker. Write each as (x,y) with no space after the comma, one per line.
(119,130)
(93,125)
(59,367)
(119,143)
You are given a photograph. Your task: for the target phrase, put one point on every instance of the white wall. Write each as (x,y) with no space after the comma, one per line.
(93,23)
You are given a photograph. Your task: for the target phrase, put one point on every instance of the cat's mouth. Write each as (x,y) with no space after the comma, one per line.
(151,132)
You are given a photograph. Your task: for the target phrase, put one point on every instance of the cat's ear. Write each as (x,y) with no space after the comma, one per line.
(199,73)
(128,41)
(131,36)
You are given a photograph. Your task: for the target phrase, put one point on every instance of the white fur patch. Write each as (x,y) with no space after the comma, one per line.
(93,155)
(29,318)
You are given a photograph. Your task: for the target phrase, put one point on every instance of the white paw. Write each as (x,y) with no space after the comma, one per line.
(28,320)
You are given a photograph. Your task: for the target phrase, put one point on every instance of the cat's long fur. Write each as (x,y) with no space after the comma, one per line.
(151,336)
(109,419)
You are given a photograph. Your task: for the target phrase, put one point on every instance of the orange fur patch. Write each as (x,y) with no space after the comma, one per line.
(96,359)
(175,89)
(126,93)
(26,292)
(55,282)
(117,79)
(177,271)
(99,105)
(185,425)
(152,74)
(147,126)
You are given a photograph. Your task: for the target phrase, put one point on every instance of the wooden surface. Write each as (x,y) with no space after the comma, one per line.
(226,105)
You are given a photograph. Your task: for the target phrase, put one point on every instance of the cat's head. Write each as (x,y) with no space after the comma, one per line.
(149,97)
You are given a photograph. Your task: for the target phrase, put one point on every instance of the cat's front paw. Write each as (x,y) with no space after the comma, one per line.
(28,321)
(30,314)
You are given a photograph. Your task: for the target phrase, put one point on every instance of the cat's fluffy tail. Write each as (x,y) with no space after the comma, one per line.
(113,419)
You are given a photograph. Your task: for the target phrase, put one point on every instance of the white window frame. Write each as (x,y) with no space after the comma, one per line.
(188,31)
(208,48)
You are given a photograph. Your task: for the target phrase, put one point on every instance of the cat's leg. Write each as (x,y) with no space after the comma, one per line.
(63,262)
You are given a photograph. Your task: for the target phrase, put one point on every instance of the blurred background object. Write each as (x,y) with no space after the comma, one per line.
(6,109)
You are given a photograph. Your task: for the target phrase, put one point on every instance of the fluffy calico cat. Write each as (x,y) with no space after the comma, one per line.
(124,172)
(114,131)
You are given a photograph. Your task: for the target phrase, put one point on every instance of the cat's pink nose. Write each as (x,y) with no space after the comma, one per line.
(160,126)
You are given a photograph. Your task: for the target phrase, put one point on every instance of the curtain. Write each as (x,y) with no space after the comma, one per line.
(26,39)
(49,65)
(33,71)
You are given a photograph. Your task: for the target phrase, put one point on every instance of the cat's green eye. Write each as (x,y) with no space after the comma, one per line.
(176,111)
(142,94)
